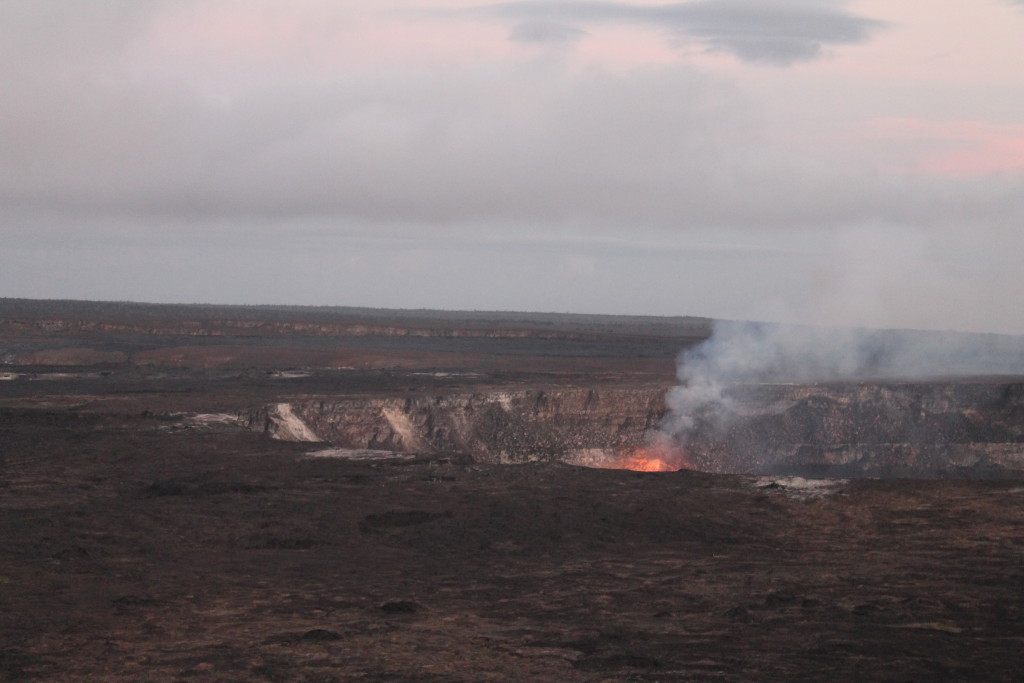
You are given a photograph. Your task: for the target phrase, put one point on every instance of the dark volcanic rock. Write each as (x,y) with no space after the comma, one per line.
(137,548)
(537,571)
(401,607)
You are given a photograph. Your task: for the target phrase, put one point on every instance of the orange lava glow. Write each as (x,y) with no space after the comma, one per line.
(639,463)
(656,457)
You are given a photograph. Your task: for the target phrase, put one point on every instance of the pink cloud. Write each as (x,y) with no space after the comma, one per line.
(314,38)
(954,149)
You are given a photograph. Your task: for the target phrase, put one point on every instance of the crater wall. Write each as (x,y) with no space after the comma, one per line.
(912,429)
(571,425)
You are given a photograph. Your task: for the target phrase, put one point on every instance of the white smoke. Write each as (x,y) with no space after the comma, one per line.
(752,353)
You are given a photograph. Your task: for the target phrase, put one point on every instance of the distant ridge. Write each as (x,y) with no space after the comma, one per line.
(33,310)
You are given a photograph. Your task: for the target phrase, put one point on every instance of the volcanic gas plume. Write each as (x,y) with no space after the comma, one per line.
(707,420)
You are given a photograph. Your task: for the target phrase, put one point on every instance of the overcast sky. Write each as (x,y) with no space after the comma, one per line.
(820,161)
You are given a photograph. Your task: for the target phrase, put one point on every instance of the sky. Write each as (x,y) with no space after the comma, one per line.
(829,162)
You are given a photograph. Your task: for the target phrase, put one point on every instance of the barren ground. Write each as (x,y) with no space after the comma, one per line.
(138,548)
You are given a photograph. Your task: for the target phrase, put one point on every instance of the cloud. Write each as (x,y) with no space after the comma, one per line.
(953,148)
(192,126)
(545,32)
(153,115)
(780,33)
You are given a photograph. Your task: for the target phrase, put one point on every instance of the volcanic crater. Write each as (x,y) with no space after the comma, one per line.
(269,493)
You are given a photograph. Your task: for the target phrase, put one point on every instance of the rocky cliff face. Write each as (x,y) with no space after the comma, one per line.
(574,425)
(947,429)
(973,429)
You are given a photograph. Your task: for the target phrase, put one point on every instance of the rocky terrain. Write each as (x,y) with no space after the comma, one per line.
(561,424)
(946,429)
(963,428)
(218,493)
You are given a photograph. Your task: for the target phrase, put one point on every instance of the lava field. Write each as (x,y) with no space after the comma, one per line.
(219,493)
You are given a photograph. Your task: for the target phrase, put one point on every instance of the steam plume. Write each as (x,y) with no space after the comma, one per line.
(751,353)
